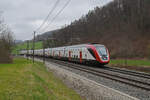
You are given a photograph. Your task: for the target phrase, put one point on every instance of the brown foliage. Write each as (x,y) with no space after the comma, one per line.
(122,25)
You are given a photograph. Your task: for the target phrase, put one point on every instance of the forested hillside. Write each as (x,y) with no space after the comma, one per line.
(122,25)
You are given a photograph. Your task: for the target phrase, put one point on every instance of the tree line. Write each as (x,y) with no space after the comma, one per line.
(122,25)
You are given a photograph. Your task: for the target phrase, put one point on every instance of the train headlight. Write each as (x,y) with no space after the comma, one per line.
(104,57)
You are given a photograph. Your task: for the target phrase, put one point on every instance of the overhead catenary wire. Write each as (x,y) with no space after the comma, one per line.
(51,11)
(61,10)
(44,29)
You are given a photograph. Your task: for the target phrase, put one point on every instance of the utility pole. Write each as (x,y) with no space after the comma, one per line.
(33,45)
(27,49)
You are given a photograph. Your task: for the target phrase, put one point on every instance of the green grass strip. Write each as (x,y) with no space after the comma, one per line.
(24,80)
(139,63)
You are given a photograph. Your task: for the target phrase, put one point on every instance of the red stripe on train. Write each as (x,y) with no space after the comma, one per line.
(80,56)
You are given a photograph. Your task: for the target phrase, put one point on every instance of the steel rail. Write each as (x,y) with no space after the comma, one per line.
(138,74)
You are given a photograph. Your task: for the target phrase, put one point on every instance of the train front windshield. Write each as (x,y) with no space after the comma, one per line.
(101,50)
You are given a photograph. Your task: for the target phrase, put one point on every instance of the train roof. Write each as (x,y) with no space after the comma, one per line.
(72,46)
(80,45)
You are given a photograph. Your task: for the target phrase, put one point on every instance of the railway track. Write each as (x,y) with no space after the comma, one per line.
(111,76)
(133,73)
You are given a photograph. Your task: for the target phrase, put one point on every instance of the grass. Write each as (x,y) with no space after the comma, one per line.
(22,46)
(23,80)
(130,62)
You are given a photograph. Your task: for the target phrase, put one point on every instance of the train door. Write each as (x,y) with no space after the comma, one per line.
(70,55)
(53,53)
(80,56)
(59,54)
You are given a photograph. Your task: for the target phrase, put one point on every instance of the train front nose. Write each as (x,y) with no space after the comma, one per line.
(103,53)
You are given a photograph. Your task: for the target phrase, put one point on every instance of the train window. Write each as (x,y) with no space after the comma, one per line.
(86,55)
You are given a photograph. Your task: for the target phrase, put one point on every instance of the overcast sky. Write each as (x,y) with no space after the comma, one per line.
(25,16)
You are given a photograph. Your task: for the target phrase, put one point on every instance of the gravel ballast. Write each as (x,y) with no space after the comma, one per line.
(130,90)
(87,88)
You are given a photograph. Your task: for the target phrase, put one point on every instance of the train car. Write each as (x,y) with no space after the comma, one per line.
(23,52)
(84,53)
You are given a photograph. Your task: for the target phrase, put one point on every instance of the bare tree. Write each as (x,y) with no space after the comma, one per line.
(6,42)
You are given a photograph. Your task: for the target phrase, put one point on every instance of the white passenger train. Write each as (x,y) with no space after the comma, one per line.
(85,53)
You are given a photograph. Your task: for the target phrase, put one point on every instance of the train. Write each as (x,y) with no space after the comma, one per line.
(83,53)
